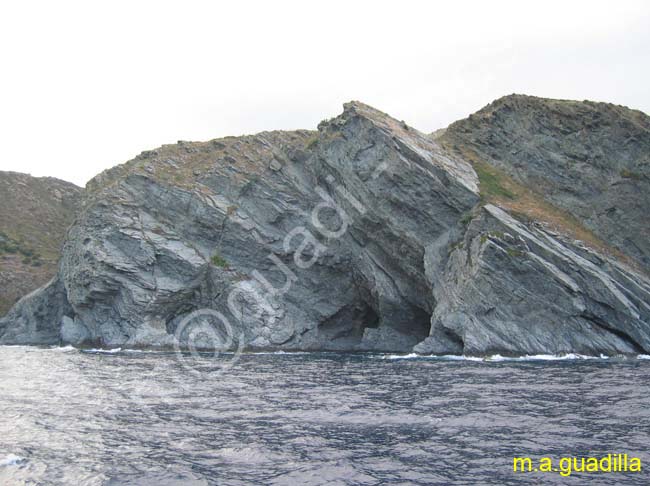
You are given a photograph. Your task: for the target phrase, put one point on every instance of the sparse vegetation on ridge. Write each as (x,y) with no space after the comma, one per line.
(186,164)
(218,261)
(523,203)
(628,174)
(34,216)
(492,183)
(312,142)
(11,246)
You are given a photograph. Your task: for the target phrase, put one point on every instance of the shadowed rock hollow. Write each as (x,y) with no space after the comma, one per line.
(364,235)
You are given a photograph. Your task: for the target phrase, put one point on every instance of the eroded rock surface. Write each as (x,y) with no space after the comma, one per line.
(364,235)
(515,289)
(301,240)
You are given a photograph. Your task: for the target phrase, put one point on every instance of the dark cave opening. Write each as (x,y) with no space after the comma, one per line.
(414,322)
(455,340)
(367,316)
(346,327)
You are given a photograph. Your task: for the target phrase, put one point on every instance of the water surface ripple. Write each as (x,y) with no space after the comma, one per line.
(135,418)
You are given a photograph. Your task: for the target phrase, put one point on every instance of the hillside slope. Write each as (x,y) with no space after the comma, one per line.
(591,160)
(34,216)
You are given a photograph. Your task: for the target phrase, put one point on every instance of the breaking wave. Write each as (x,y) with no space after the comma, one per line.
(499,358)
(11,460)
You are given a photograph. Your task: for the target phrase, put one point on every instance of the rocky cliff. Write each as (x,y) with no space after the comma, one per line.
(34,216)
(364,235)
(589,159)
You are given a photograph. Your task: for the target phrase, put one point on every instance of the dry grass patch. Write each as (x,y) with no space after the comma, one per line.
(526,205)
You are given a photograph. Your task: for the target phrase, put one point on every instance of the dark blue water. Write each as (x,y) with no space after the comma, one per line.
(77,418)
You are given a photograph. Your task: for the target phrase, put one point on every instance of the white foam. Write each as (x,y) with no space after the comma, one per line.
(544,357)
(63,349)
(643,356)
(498,357)
(28,347)
(445,357)
(456,357)
(11,460)
(289,353)
(147,351)
(103,351)
(402,356)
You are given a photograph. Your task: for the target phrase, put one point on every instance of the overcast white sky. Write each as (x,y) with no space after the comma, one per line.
(87,85)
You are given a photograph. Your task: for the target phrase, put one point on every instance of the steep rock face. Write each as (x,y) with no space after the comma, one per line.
(38,317)
(512,289)
(300,240)
(365,235)
(591,159)
(34,216)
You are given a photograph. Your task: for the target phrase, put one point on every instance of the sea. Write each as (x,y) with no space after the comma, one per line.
(132,417)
